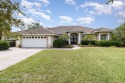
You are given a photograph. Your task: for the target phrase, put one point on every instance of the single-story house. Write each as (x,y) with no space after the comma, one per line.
(44,37)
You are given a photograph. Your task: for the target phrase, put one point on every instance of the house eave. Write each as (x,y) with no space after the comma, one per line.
(40,34)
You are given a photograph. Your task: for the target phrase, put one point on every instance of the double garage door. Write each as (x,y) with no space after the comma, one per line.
(34,41)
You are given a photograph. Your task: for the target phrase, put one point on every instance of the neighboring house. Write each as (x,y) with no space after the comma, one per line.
(44,37)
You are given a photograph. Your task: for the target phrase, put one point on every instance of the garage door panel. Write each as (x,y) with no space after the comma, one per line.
(35,42)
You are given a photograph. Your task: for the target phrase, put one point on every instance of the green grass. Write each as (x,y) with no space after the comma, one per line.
(86,65)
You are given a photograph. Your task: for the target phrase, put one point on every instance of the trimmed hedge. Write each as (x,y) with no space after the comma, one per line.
(4,45)
(108,43)
(86,42)
(59,43)
(102,43)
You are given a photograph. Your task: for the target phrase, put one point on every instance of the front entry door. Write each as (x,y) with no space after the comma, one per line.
(73,39)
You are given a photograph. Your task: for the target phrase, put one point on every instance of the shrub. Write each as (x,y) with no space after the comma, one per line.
(108,43)
(88,42)
(64,37)
(4,45)
(65,42)
(68,46)
(102,43)
(12,43)
(58,43)
(89,37)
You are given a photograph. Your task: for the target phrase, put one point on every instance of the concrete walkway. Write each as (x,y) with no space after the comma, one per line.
(76,47)
(15,55)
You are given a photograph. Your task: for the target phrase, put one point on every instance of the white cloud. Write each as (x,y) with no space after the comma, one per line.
(30,5)
(48,11)
(37,4)
(121,21)
(86,20)
(118,4)
(27,21)
(34,12)
(44,16)
(70,2)
(26,4)
(121,14)
(46,2)
(98,8)
(65,19)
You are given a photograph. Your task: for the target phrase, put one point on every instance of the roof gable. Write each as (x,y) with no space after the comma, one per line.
(37,31)
(64,29)
(102,30)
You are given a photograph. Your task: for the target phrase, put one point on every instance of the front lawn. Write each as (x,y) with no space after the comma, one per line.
(86,65)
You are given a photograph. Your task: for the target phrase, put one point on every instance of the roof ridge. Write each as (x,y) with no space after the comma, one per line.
(50,30)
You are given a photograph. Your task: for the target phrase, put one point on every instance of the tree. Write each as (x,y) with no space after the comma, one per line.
(110,1)
(120,33)
(64,37)
(34,25)
(89,37)
(9,16)
(114,37)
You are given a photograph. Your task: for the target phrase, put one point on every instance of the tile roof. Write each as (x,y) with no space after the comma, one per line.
(37,31)
(64,29)
(102,30)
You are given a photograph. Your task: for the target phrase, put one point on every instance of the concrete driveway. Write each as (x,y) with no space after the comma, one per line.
(15,55)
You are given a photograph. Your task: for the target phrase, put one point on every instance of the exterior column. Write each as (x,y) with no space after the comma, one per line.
(19,42)
(49,42)
(79,38)
(108,36)
(69,38)
(99,37)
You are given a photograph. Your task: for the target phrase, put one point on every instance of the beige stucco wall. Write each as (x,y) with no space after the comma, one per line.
(19,41)
(50,40)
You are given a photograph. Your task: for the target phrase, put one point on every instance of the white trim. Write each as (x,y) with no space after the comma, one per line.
(69,38)
(108,36)
(99,37)
(79,38)
(49,41)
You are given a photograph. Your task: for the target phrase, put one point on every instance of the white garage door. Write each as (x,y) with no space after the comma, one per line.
(34,41)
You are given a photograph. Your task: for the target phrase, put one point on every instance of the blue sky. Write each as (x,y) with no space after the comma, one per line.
(89,13)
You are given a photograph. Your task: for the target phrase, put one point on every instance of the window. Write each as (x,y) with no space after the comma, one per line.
(24,37)
(29,37)
(35,37)
(38,37)
(44,37)
(104,37)
(41,37)
(32,37)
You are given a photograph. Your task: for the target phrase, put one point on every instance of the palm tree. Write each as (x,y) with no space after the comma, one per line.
(110,1)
